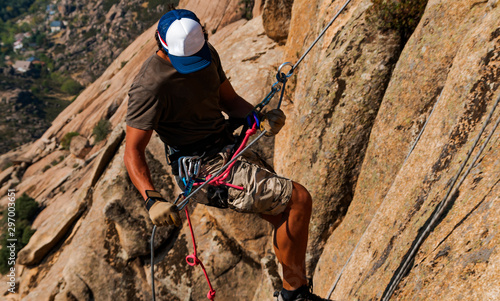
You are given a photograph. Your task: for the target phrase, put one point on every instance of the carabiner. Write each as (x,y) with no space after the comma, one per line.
(282,77)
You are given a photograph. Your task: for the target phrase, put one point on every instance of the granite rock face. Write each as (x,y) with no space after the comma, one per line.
(355,108)
(450,62)
(79,147)
(215,15)
(331,109)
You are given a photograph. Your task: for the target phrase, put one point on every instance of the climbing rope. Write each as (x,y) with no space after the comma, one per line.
(320,35)
(282,77)
(193,259)
(423,128)
(152,246)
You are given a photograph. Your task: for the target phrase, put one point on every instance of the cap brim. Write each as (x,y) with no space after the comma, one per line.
(193,63)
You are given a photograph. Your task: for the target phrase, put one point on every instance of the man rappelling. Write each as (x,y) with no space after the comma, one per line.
(181,93)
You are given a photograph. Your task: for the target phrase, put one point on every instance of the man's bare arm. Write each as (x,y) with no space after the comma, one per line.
(135,159)
(232,104)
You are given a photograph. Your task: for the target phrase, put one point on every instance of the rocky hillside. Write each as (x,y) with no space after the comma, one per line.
(20,110)
(377,129)
(52,48)
(96,32)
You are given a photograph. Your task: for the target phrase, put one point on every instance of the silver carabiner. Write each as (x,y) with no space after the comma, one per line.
(280,76)
(181,166)
(189,167)
(178,198)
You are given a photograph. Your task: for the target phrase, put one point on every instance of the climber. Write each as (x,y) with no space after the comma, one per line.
(180,93)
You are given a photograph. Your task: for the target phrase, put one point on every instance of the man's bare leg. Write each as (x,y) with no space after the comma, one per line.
(290,237)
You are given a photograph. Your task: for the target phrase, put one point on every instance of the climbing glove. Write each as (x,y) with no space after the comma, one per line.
(273,121)
(161,211)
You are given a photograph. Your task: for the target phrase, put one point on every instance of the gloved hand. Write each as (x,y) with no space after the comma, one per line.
(164,213)
(161,211)
(273,121)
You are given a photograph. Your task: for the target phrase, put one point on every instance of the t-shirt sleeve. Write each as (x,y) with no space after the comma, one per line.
(143,108)
(216,59)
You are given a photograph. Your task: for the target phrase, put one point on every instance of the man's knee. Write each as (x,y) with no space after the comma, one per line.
(301,198)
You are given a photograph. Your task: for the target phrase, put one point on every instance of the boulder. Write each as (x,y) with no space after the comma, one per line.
(215,15)
(6,174)
(79,146)
(52,230)
(21,160)
(276,18)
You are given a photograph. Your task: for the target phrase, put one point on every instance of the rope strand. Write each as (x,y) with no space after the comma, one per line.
(319,36)
(193,259)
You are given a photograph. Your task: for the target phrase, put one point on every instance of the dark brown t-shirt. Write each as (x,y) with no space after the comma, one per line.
(181,108)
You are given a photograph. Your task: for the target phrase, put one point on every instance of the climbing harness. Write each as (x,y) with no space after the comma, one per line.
(184,202)
(191,165)
(452,191)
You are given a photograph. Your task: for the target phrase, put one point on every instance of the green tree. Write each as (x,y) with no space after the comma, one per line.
(10,9)
(71,87)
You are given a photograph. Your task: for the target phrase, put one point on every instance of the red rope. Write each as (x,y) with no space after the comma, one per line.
(220,179)
(193,259)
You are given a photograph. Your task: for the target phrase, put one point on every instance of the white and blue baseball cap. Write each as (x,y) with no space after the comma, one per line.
(181,35)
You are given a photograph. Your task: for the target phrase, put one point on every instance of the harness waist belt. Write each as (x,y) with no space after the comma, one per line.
(206,147)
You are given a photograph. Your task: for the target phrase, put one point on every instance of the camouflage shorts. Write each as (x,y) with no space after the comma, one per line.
(263,190)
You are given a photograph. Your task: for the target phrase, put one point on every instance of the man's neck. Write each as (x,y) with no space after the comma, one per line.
(163,55)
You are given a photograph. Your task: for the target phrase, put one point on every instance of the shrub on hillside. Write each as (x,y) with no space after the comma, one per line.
(101,130)
(25,212)
(71,87)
